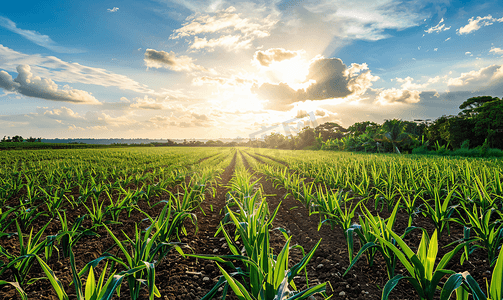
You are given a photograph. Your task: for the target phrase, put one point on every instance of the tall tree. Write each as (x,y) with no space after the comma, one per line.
(363,127)
(469,106)
(489,122)
(330,130)
(393,131)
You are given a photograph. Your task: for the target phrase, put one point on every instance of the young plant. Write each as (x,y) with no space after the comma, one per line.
(141,257)
(370,228)
(54,198)
(168,225)
(488,233)
(273,278)
(440,213)
(423,276)
(26,215)
(494,290)
(49,273)
(67,236)
(268,276)
(385,190)
(93,290)
(18,288)
(20,265)
(333,207)
(409,204)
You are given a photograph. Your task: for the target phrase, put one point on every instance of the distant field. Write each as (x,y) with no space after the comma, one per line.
(170,222)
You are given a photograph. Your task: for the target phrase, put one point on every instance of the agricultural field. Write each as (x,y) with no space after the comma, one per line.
(246,223)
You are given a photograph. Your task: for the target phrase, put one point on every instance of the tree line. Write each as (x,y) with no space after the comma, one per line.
(473,132)
(20,139)
(477,130)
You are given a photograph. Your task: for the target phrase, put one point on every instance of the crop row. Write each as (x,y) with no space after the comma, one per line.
(440,190)
(252,270)
(164,188)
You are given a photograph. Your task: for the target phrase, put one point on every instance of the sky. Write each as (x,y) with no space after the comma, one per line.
(225,69)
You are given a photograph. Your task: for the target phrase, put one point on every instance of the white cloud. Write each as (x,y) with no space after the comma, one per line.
(112,10)
(62,71)
(438,28)
(201,5)
(393,96)
(147,103)
(189,119)
(265,58)
(28,85)
(468,53)
(37,38)
(496,51)
(476,24)
(447,39)
(230,42)
(408,85)
(224,20)
(222,81)
(163,59)
(481,79)
(234,30)
(64,119)
(367,20)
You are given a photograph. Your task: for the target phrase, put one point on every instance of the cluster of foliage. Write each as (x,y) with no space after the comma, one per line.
(479,122)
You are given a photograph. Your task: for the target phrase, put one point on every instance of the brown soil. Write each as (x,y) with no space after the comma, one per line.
(190,278)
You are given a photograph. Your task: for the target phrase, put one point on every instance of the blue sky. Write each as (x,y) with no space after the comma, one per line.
(211,69)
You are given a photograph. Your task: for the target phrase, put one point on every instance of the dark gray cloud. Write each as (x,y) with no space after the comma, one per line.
(331,79)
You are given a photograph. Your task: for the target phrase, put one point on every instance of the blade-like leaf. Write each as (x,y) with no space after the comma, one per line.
(452,284)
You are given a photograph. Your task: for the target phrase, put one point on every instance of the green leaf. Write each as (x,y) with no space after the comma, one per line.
(56,284)
(281,265)
(320,288)
(359,254)
(474,287)
(237,287)
(302,263)
(452,284)
(90,284)
(431,256)
(390,285)
(76,278)
(497,278)
(18,288)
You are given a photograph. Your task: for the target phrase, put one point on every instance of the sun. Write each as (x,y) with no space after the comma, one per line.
(292,72)
(242,100)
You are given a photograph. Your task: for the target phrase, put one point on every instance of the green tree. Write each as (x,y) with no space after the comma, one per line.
(488,121)
(17,139)
(393,132)
(470,106)
(306,138)
(363,127)
(330,130)
(276,141)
